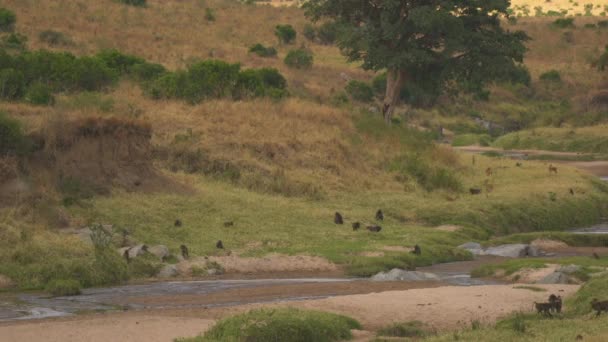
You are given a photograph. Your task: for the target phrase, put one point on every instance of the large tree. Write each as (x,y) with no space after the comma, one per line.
(455,45)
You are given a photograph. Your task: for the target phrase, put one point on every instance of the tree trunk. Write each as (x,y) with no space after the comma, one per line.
(394,83)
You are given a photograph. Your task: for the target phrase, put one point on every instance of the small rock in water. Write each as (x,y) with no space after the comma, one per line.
(399,274)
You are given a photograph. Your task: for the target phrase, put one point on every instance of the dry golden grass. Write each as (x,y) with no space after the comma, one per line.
(573,7)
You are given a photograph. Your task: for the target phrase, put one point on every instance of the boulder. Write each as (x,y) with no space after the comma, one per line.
(138,250)
(399,274)
(160,251)
(168,271)
(517,250)
(569,269)
(472,247)
(555,278)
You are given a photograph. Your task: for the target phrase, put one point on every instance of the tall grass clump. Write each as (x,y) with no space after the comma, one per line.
(412,329)
(360,91)
(564,23)
(285,33)
(299,59)
(263,51)
(430,177)
(7,20)
(285,325)
(13,140)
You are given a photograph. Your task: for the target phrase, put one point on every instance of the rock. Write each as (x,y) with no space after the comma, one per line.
(84,235)
(517,250)
(6,282)
(160,251)
(534,251)
(398,274)
(168,271)
(569,269)
(138,250)
(472,247)
(555,278)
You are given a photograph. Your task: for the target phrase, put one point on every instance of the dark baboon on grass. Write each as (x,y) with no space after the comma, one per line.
(125,255)
(552,169)
(228,224)
(374,229)
(595,256)
(379,215)
(599,306)
(178,223)
(417,250)
(571,191)
(219,244)
(518,164)
(356,225)
(338,218)
(489,171)
(475,191)
(556,301)
(184,251)
(544,308)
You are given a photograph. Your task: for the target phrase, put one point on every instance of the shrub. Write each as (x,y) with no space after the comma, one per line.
(285,33)
(7,20)
(209,14)
(328,33)
(564,23)
(145,266)
(39,94)
(136,3)
(590,26)
(263,51)
(14,41)
(118,61)
(360,91)
(54,38)
(551,76)
(299,59)
(12,84)
(147,71)
(286,325)
(430,177)
(602,24)
(407,329)
(309,32)
(60,288)
(12,138)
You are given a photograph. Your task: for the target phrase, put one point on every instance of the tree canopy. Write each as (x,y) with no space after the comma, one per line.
(445,44)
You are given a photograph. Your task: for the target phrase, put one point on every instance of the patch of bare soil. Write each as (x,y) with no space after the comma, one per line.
(548,245)
(598,168)
(448,228)
(532,275)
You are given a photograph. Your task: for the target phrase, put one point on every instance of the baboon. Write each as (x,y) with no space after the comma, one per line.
(473,160)
(475,191)
(552,169)
(356,225)
(184,251)
(178,223)
(544,308)
(219,244)
(489,171)
(379,215)
(125,255)
(374,229)
(595,256)
(228,224)
(579,337)
(417,250)
(556,301)
(571,191)
(338,218)
(599,306)
(518,164)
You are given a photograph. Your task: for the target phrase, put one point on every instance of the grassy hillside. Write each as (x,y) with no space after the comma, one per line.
(278,168)
(584,139)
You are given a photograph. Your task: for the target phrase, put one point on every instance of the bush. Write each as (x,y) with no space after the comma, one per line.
(14,41)
(551,76)
(7,20)
(12,139)
(328,33)
(309,32)
(136,3)
(147,71)
(209,14)
(602,24)
(299,59)
(407,329)
(118,61)
(39,94)
(285,325)
(63,287)
(360,91)
(285,33)
(430,177)
(12,84)
(54,38)
(263,51)
(564,23)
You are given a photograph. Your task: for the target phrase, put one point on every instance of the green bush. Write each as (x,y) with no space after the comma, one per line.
(564,23)
(54,38)
(39,94)
(209,14)
(147,71)
(137,3)
(12,84)
(118,61)
(299,59)
(360,91)
(63,287)
(263,51)
(551,76)
(328,33)
(285,325)
(145,266)
(14,41)
(602,24)
(7,20)
(430,177)
(408,329)
(285,33)
(309,32)
(12,138)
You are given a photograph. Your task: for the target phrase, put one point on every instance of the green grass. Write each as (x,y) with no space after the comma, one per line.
(577,240)
(285,325)
(60,288)
(530,288)
(472,139)
(585,139)
(412,329)
(589,265)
